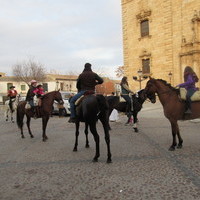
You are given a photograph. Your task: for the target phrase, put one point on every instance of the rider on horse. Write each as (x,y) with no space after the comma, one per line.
(125,91)
(39,92)
(86,81)
(12,93)
(190,78)
(30,94)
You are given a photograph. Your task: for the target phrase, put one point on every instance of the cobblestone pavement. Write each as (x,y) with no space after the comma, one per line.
(142,167)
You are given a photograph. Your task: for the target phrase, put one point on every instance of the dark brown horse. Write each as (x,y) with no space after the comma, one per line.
(137,101)
(92,108)
(44,111)
(173,106)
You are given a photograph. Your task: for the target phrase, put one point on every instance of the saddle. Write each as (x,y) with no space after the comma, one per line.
(194,97)
(121,99)
(80,99)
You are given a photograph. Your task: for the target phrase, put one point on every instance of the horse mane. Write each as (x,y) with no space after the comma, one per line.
(48,93)
(169,85)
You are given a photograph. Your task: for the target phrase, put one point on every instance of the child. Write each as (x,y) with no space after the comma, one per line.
(39,92)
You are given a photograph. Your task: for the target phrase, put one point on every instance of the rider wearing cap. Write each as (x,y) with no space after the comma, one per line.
(12,93)
(30,93)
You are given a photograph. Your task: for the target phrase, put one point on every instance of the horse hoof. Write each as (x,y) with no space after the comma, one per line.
(32,136)
(136,130)
(23,137)
(13,122)
(172,148)
(109,161)
(95,160)
(179,146)
(6,120)
(87,146)
(44,140)
(75,149)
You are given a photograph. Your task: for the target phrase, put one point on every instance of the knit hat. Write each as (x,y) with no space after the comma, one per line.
(88,66)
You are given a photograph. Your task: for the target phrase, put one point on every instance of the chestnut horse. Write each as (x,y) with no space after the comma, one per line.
(174,108)
(45,111)
(92,108)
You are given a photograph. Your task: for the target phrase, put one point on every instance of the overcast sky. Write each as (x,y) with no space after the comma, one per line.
(61,34)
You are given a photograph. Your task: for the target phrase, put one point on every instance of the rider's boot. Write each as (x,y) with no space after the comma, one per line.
(188,106)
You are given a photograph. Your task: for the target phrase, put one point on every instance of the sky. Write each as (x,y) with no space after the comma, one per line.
(62,35)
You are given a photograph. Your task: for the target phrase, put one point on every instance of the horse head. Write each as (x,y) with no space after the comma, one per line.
(150,90)
(58,97)
(142,96)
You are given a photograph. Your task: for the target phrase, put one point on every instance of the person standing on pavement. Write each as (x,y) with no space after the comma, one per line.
(190,78)
(86,81)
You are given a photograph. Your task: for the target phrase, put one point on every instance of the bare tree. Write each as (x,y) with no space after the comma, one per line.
(120,71)
(27,71)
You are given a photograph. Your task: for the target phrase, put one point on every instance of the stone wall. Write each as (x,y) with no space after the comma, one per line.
(173,41)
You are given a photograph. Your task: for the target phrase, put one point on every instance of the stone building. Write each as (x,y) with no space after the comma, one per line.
(161,37)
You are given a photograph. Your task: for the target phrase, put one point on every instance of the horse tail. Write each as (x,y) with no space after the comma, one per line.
(20,116)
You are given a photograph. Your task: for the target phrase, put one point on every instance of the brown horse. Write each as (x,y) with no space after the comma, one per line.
(44,112)
(173,106)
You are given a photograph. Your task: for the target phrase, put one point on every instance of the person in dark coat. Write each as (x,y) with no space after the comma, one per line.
(30,94)
(86,81)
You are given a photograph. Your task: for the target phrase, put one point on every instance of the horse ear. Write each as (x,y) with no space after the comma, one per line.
(150,77)
(59,90)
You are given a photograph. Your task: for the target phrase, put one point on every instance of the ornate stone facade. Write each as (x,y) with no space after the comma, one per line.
(172,43)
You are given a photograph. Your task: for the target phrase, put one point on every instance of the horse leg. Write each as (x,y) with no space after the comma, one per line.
(12,120)
(76,135)
(20,123)
(28,125)
(107,139)
(7,114)
(180,140)
(135,121)
(45,120)
(86,135)
(96,138)
(174,127)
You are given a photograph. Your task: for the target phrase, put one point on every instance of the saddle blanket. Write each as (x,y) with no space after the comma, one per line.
(194,97)
(121,99)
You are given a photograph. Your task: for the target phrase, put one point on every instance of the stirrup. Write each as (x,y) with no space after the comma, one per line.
(188,111)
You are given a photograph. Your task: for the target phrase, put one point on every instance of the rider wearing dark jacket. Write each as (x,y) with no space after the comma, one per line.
(86,81)
(30,94)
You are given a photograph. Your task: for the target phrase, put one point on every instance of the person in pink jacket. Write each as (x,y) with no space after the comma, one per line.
(39,91)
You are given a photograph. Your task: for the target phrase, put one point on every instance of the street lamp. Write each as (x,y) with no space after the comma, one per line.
(140,77)
(57,82)
(170,76)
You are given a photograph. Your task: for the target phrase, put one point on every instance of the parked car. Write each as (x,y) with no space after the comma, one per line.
(66,110)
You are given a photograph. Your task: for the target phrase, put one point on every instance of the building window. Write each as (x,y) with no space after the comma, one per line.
(23,87)
(146,66)
(45,86)
(144,26)
(9,85)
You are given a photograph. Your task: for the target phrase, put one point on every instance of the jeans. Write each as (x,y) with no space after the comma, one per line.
(31,103)
(128,101)
(72,103)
